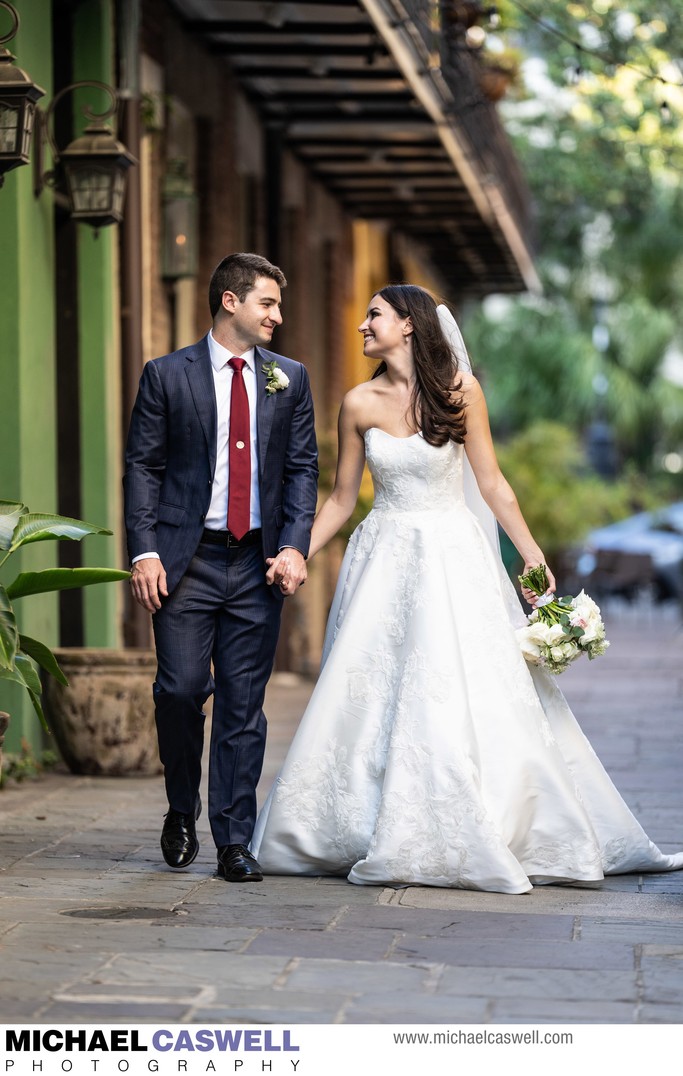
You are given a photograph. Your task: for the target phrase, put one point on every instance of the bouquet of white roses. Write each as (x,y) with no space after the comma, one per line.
(560,629)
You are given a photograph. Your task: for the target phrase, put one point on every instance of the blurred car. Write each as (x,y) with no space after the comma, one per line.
(643,550)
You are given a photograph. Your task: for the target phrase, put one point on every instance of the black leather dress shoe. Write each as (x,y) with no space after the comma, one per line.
(236,864)
(179,844)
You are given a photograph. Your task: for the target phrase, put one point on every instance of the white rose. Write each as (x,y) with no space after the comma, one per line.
(556,653)
(530,650)
(592,633)
(586,603)
(555,634)
(280,378)
(538,633)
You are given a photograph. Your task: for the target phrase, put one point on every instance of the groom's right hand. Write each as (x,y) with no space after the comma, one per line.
(148,583)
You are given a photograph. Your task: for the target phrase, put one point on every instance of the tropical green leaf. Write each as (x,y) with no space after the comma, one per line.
(39,710)
(24,673)
(62,579)
(9,636)
(39,527)
(28,671)
(43,656)
(14,675)
(10,513)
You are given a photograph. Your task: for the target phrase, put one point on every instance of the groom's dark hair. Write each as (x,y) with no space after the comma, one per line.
(238,273)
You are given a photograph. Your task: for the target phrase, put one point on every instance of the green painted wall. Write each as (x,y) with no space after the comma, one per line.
(28,424)
(27,362)
(99,347)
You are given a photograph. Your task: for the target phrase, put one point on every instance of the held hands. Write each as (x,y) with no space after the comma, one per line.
(529,595)
(287,570)
(148,583)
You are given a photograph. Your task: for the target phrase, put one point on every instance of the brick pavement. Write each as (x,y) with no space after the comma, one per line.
(94,928)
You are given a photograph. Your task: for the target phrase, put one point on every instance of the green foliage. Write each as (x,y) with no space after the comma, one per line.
(535,362)
(603,159)
(25,765)
(19,527)
(560,498)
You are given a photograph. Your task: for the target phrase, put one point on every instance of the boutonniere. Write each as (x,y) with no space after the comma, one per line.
(275,378)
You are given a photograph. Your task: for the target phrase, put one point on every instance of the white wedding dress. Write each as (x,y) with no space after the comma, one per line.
(430,752)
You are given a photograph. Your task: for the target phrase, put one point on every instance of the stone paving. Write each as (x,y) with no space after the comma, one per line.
(95,929)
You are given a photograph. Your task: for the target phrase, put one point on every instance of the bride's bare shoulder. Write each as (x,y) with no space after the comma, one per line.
(356,398)
(355,405)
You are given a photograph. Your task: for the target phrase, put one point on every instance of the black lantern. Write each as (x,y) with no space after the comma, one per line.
(179,236)
(18,97)
(95,167)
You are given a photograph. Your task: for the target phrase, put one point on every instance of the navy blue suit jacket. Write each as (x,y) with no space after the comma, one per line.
(171,457)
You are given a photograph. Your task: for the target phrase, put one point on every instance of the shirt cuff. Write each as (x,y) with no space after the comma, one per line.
(146,556)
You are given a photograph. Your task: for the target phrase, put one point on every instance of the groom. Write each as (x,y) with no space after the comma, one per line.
(221,473)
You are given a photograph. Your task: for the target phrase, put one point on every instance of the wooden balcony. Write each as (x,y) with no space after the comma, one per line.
(386,109)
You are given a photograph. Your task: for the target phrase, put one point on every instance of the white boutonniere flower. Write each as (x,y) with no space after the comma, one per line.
(276,379)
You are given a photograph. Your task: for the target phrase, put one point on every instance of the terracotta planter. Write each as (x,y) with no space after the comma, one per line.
(494,82)
(103,721)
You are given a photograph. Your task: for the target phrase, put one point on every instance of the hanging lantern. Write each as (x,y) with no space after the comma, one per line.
(179,254)
(18,97)
(95,167)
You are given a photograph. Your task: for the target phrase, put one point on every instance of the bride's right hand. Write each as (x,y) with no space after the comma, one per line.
(531,596)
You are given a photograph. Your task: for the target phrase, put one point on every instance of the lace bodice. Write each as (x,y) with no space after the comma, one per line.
(410,475)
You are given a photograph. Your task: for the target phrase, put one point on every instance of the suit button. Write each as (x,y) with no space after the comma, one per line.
(202,518)
(210,482)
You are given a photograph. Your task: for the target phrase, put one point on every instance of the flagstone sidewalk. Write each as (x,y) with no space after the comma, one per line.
(94,928)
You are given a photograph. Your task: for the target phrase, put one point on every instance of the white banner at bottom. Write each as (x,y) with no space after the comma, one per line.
(329,1050)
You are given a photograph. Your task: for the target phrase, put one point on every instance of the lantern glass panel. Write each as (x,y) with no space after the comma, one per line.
(9,128)
(180,237)
(91,189)
(118,191)
(27,131)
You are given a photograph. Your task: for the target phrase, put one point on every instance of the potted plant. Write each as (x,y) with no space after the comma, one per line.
(498,72)
(18,652)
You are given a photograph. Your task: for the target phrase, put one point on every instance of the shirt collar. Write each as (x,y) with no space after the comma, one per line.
(219,355)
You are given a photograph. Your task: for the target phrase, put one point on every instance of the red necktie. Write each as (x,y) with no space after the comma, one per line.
(239,454)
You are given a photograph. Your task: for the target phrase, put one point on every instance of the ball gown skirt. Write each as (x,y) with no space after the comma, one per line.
(430,753)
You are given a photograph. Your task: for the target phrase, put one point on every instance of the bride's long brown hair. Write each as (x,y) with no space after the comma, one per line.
(433,409)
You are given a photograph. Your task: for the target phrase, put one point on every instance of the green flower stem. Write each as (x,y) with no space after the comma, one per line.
(536,579)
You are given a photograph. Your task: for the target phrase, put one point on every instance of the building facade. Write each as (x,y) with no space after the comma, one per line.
(350,142)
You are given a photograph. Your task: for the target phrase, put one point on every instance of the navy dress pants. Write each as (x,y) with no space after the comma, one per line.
(221,614)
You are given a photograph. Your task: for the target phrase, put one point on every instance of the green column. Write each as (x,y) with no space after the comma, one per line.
(99,349)
(27,360)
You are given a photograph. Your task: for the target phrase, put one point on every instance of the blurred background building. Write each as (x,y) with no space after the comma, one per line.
(352,142)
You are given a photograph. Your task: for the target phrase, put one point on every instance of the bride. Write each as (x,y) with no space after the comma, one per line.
(430,753)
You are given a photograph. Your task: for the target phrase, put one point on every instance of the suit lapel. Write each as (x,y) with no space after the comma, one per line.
(200,378)
(265,408)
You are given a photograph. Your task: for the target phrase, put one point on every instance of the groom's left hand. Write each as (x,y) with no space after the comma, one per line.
(288,570)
